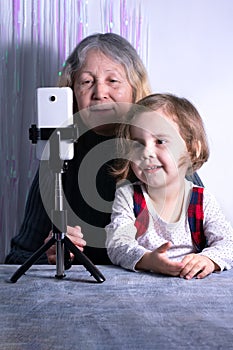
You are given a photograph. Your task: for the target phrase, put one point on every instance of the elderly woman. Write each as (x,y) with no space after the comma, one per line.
(104,71)
(106,76)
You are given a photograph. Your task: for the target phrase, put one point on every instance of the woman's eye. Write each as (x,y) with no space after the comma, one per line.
(86,82)
(114,81)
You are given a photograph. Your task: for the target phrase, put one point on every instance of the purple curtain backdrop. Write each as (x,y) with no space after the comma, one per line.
(36,38)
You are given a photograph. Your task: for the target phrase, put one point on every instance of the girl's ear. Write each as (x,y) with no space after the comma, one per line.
(198,148)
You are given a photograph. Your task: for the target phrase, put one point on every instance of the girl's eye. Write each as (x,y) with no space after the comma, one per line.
(136,145)
(161,142)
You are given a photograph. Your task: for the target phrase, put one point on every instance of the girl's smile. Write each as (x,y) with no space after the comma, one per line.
(152,169)
(158,150)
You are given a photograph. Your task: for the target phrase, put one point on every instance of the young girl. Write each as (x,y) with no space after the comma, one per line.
(163,223)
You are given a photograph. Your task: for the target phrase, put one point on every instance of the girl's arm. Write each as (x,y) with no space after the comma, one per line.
(122,247)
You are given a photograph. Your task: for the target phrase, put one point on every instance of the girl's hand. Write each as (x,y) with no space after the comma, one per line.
(198,266)
(158,262)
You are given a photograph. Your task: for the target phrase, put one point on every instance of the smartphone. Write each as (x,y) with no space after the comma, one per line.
(54,110)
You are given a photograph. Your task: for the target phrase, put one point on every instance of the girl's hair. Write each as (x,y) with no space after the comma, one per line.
(183,113)
(118,49)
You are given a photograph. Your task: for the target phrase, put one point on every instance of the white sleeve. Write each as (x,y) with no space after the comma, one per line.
(122,247)
(219,233)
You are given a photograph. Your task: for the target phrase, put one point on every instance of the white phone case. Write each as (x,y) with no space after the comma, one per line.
(54,110)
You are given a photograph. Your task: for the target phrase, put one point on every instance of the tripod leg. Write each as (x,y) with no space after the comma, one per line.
(30,261)
(84,260)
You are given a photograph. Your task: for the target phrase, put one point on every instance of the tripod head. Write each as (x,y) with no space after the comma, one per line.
(54,137)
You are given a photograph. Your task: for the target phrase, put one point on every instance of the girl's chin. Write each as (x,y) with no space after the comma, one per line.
(154,181)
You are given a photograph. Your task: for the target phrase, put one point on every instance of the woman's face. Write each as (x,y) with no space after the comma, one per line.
(101,89)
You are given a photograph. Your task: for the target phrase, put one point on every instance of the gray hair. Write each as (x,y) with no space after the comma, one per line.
(118,49)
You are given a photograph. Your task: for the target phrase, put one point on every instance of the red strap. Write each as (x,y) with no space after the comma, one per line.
(140,211)
(195,215)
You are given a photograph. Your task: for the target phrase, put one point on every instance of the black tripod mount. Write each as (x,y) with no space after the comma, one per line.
(59,215)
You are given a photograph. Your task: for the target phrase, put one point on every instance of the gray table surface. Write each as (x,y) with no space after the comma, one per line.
(128,311)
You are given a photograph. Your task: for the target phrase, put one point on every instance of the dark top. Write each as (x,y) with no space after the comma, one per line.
(90,171)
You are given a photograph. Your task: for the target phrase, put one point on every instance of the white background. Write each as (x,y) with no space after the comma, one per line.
(190,53)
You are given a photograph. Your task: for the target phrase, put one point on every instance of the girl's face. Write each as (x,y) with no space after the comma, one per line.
(159,155)
(100,88)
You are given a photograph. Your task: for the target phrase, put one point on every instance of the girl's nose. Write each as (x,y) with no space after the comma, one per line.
(148,152)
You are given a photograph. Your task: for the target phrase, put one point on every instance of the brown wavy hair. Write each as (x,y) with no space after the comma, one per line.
(183,113)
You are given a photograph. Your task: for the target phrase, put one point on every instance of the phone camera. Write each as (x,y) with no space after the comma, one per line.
(52,98)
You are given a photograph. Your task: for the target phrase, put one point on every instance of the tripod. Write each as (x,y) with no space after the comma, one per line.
(59,215)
